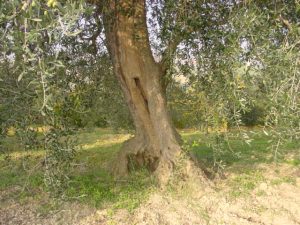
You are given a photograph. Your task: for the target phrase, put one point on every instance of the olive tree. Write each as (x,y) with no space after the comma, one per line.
(229,51)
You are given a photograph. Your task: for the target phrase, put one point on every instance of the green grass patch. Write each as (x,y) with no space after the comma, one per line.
(91,183)
(233,150)
(99,188)
(285,179)
(243,184)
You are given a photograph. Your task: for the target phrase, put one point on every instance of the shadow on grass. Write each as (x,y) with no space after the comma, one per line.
(100,188)
(90,181)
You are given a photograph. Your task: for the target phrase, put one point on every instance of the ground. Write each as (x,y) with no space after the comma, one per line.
(253,186)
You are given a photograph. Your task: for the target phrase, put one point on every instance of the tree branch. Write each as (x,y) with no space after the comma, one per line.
(184,12)
(169,52)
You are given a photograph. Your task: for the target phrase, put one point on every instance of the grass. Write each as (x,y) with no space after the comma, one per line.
(98,188)
(285,179)
(243,160)
(236,153)
(243,184)
(91,183)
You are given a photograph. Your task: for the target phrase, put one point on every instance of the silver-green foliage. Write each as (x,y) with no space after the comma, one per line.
(32,77)
(245,57)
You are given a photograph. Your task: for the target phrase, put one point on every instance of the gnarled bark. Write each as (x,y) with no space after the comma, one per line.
(156,143)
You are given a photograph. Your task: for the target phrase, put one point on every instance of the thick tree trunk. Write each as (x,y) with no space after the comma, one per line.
(155,144)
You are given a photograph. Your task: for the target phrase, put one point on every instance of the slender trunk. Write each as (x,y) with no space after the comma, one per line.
(155,144)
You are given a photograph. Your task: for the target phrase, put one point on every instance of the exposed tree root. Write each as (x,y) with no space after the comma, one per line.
(137,153)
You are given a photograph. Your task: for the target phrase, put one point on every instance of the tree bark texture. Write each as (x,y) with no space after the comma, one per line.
(155,144)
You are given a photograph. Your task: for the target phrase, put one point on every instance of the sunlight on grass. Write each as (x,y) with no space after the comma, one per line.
(25,154)
(111,140)
(189,132)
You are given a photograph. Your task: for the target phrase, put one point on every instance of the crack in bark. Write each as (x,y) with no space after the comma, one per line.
(142,92)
